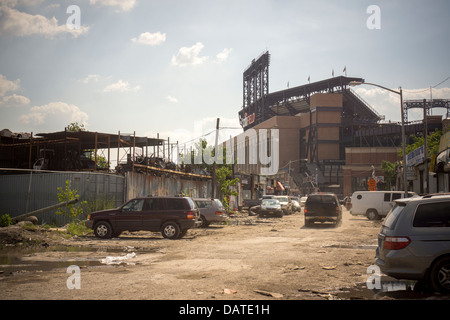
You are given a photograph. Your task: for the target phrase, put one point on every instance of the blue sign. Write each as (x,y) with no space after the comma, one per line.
(415,157)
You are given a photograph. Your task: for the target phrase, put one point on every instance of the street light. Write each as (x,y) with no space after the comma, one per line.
(405,179)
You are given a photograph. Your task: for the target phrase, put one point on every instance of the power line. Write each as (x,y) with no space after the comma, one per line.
(423,90)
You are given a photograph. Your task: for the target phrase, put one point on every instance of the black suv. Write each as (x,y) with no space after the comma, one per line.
(322,207)
(172,216)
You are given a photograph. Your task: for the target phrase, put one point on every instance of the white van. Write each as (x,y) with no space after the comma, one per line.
(375,204)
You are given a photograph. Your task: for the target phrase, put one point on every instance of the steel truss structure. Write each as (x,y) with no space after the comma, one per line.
(428,104)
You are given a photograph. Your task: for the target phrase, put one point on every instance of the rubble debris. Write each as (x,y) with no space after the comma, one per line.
(269,294)
(229,291)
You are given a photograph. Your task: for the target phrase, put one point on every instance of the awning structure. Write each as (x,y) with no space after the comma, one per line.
(280,185)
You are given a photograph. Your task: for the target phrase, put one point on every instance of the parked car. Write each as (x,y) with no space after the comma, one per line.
(414,241)
(211,210)
(347,202)
(270,207)
(172,216)
(286,205)
(303,201)
(296,206)
(322,207)
(375,204)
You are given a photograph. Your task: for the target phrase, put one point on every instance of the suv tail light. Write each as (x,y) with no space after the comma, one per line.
(190,215)
(396,243)
(305,211)
(218,213)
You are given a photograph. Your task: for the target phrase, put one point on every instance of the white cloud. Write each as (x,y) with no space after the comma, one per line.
(60,111)
(14,101)
(11,100)
(172,99)
(388,103)
(91,78)
(189,56)
(150,39)
(8,85)
(223,56)
(17,23)
(124,5)
(121,86)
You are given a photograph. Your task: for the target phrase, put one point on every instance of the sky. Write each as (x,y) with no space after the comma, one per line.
(173,67)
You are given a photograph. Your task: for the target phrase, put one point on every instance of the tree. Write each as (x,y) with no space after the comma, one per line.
(390,173)
(67,194)
(75,127)
(432,144)
(224,175)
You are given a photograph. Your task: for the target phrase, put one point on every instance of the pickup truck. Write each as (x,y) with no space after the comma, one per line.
(322,207)
(172,216)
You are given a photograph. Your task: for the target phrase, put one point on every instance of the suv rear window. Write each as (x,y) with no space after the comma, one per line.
(392,216)
(204,203)
(429,215)
(321,199)
(177,204)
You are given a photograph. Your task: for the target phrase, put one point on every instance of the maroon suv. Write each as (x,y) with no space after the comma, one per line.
(172,216)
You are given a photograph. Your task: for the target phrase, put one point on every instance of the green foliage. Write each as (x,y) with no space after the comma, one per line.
(432,143)
(5,220)
(77,228)
(390,173)
(67,194)
(75,127)
(224,175)
(100,203)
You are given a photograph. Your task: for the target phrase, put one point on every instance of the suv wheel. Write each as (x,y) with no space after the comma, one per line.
(203,221)
(440,275)
(170,230)
(103,230)
(372,214)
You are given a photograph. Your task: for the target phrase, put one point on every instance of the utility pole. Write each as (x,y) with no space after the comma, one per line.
(425,149)
(216,151)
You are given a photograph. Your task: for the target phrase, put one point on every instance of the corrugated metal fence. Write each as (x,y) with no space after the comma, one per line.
(144,185)
(22,193)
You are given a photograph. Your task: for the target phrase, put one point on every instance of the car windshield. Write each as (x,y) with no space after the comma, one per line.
(392,216)
(283,199)
(270,202)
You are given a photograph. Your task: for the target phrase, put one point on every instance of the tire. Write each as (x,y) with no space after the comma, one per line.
(203,221)
(170,230)
(440,275)
(372,214)
(103,230)
(182,233)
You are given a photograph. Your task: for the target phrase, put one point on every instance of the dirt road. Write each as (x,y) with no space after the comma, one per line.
(248,259)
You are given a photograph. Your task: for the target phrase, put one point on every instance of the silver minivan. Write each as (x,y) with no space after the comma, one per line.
(211,210)
(414,241)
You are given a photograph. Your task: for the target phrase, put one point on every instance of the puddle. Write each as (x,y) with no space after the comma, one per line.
(391,289)
(13,260)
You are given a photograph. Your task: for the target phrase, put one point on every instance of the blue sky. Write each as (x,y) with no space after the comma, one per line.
(173,67)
